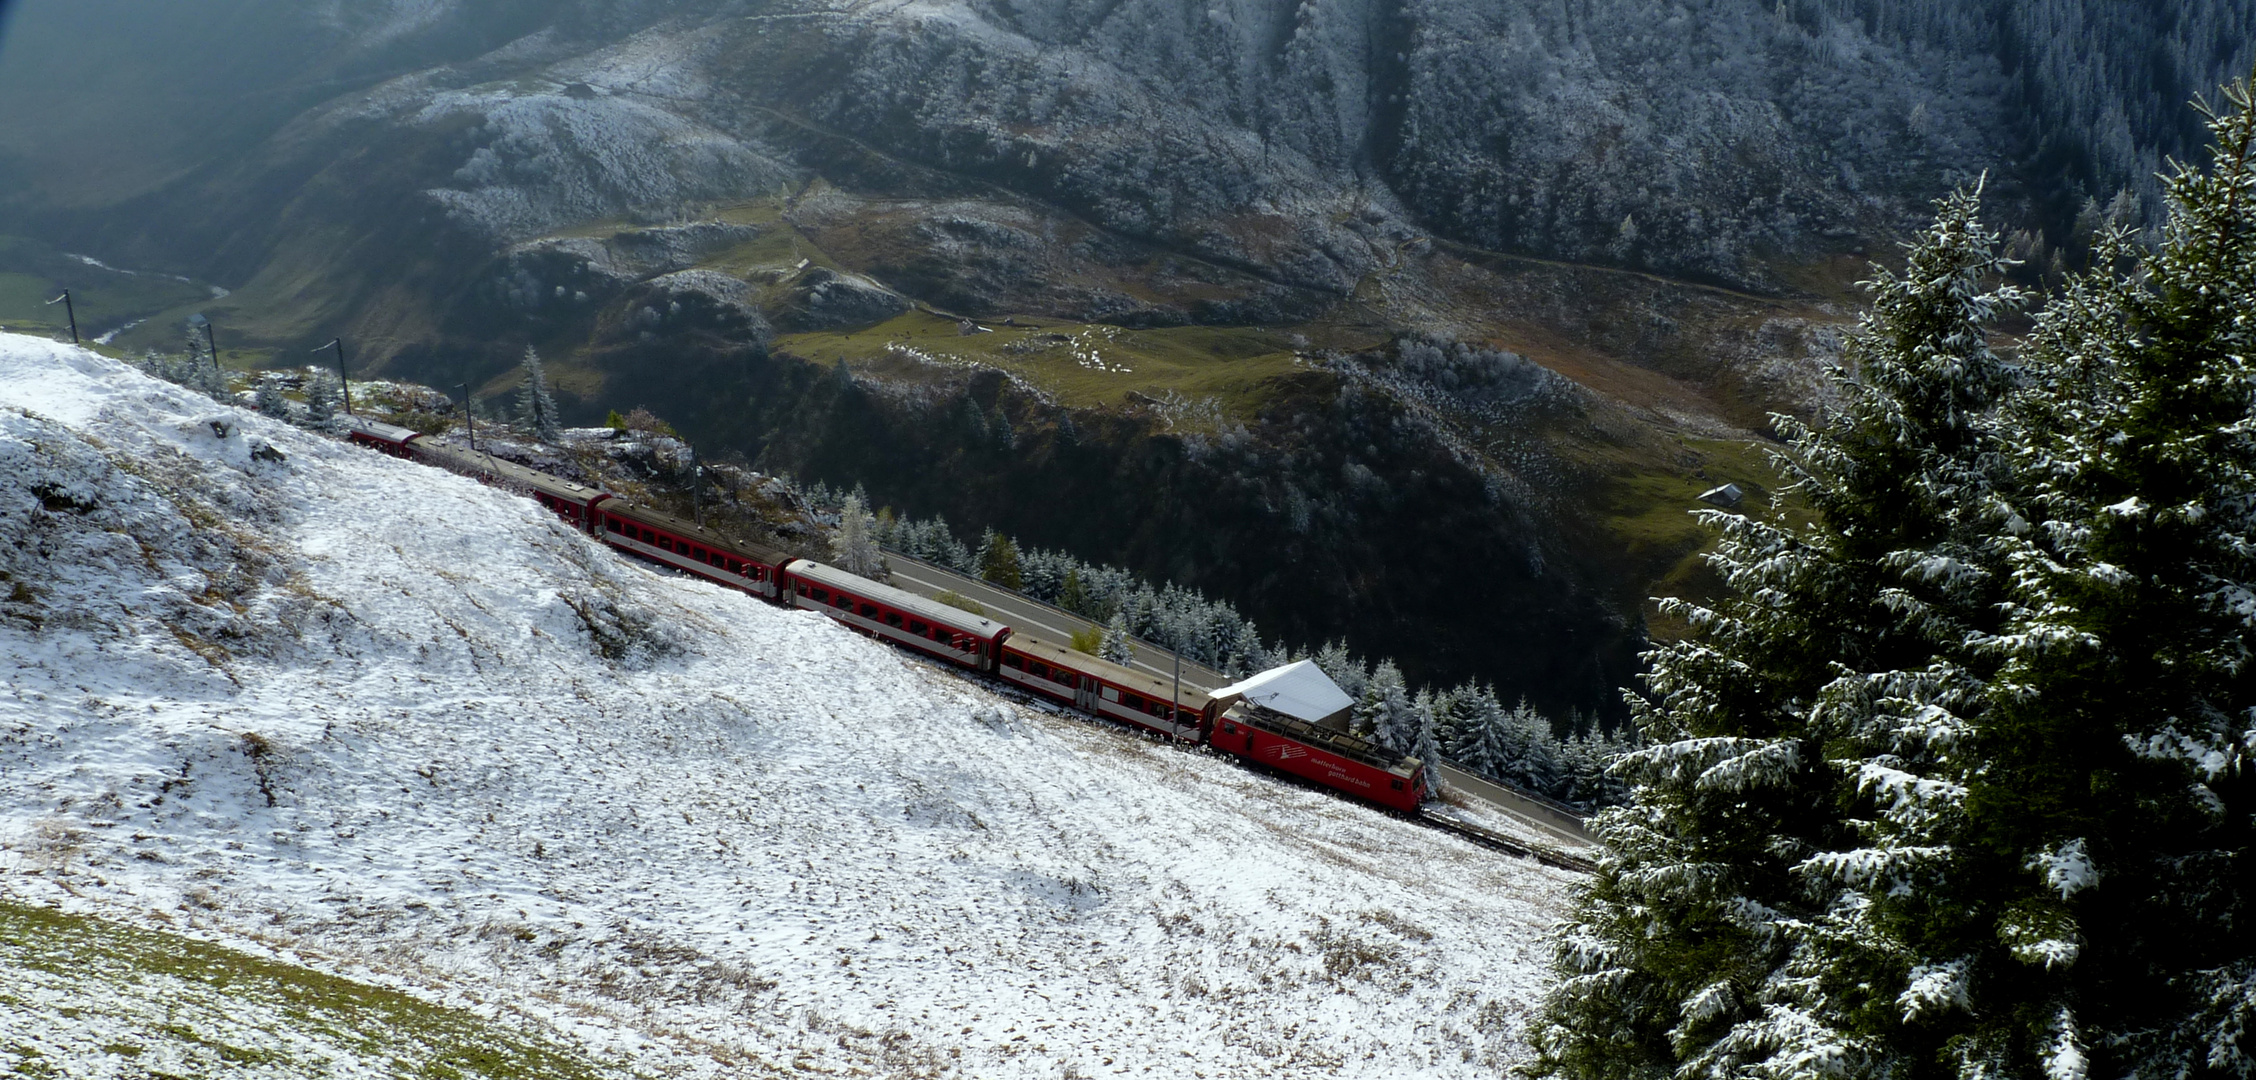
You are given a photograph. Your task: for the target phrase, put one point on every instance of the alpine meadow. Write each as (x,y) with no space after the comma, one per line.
(1956,782)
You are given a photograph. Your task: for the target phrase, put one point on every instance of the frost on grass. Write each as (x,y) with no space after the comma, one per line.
(490,765)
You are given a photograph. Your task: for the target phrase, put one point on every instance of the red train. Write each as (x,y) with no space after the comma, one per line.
(1230,722)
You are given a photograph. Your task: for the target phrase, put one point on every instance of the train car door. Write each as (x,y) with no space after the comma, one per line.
(1085,693)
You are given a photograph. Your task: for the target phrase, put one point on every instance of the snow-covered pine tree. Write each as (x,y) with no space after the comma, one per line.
(1345,671)
(1386,714)
(1116,647)
(1482,743)
(2108,801)
(1532,752)
(324,397)
(272,403)
(1422,744)
(1730,930)
(853,548)
(535,407)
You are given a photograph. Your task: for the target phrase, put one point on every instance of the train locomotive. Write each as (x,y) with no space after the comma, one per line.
(1232,722)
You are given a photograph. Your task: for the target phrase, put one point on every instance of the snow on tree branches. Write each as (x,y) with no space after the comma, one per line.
(1954,783)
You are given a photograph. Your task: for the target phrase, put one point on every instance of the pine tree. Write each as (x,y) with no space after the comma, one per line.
(2107,801)
(1731,928)
(535,407)
(1385,713)
(1345,671)
(1483,733)
(1073,595)
(853,548)
(324,397)
(1116,647)
(272,403)
(1533,754)
(998,560)
(1422,744)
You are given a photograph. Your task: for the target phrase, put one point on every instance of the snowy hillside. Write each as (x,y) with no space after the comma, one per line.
(285,694)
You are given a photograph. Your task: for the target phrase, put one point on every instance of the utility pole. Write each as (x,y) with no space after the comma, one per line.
(467,418)
(1175,707)
(198,319)
(697,494)
(68,307)
(339,345)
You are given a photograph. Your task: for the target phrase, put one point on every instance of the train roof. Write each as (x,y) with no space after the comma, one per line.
(502,469)
(900,599)
(624,508)
(1158,687)
(391,433)
(1299,690)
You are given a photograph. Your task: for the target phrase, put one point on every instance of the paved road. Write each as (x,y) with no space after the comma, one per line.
(1031,616)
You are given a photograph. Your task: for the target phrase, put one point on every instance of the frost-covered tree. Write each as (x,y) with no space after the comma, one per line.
(536,408)
(1116,647)
(1423,744)
(1385,713)
(1348,673)
(2103,866)
(853,548)
(1730,930)
(324,397)
(272,403)
(1482,737)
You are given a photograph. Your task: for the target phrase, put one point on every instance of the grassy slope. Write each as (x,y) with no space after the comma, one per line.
(31,273)
(83,996)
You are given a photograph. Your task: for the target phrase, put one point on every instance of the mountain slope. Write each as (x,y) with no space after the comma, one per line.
(417,732)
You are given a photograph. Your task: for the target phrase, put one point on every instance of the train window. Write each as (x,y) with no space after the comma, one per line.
(1040,669)
(649,537)
(918,628)
(869,611)
(1013,660)
(1231,728)
(1110,694)
(816,593)
(1398,785)
(717,560)
(893,619)
(613,525)
(543,498)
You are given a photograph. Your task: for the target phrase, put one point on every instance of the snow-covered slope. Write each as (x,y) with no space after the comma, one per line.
(415,730)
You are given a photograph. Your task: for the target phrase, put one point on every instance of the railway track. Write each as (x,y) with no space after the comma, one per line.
(1545,855)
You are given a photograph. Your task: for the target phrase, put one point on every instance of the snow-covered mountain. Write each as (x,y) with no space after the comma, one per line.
(272,690)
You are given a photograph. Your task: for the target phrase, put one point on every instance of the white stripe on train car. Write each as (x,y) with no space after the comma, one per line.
(683,562)
(963,656)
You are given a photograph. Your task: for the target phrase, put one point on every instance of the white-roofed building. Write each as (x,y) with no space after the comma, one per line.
(1301,691)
